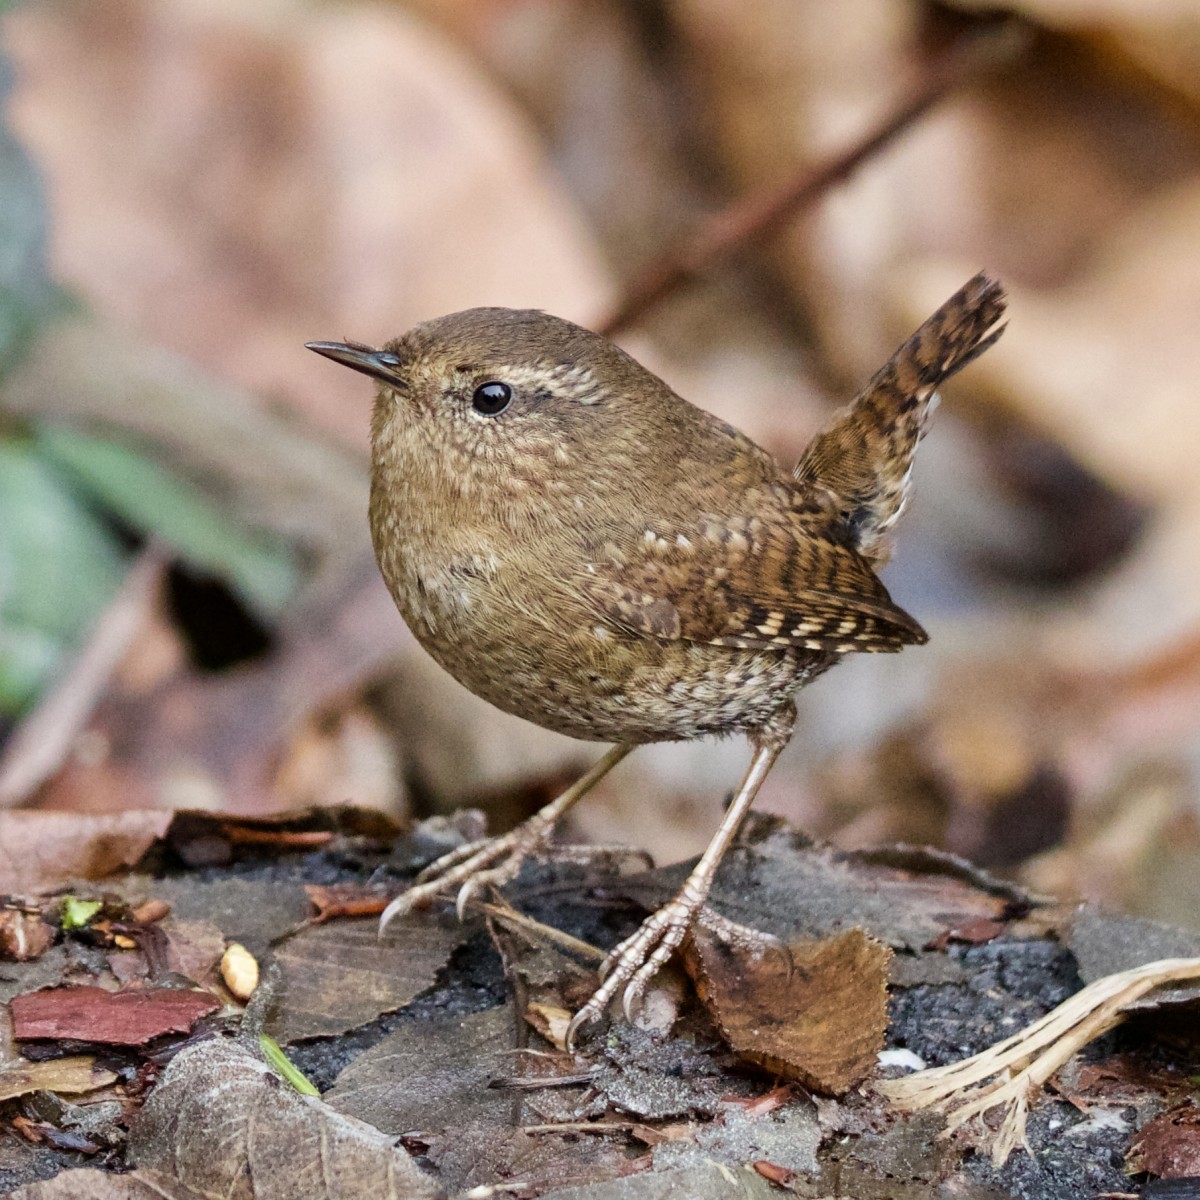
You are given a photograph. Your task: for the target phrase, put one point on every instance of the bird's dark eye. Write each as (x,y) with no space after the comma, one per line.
(491,398)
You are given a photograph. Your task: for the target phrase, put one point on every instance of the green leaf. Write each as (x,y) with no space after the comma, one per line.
(27,295)
(262,569)
(28,659)
(78,914)
(59,564)
(278,1061)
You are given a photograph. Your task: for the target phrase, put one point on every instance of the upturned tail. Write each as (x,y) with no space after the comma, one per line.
(861,462)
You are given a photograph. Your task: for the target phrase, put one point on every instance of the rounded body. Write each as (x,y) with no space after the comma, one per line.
(498,617)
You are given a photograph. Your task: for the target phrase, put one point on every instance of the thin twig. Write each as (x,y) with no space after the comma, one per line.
(759,215)
(509,916)
(42,741)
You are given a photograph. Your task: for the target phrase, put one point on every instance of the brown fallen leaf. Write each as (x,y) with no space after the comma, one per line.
(1169,1146)
(341,975)
(974,932)
(1119,1079)
(90,1014)
(24,936)
(42,850)
(67,1076)
(821,1024)
(194,949)
(219,1123)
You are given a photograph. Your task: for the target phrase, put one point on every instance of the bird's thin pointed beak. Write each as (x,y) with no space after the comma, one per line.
(379,364)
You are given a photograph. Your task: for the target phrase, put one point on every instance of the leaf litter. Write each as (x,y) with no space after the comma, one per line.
(481,1093)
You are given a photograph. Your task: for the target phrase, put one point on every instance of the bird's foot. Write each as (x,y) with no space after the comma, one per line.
(489,862)
(634,963)
(630,968)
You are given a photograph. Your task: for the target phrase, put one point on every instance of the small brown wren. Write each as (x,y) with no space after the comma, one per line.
(580,546)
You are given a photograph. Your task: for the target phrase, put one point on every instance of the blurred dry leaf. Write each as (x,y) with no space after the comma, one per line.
(351,199)
(272,1141)
(819,1020)
(40,851)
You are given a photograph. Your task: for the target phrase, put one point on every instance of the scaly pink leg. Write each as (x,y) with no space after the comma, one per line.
(496,861)
(632,965)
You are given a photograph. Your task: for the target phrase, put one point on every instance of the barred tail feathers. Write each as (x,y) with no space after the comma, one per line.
(862,460)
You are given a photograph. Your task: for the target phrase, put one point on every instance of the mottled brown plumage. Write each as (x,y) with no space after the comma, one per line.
(582,547)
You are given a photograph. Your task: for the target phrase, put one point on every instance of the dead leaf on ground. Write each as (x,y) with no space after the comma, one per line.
(432,1073)
(24,936)
(221,1123)
(40,851)
(714,1181)
(436,1081)
(341,975)
(255,912)
(822,1022)
(975,932)
(788,1137)
(67,1076)
(91,1014)
(1169,1146)
(91,1184)
(193,949)
(205,839)
(778,881)
(1106,943)
(1119,1079)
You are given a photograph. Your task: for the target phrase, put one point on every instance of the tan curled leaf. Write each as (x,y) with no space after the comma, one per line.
(821,1023)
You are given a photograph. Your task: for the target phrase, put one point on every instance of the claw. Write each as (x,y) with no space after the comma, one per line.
(584,1016)
(396,908)
(634,963)
(465,894)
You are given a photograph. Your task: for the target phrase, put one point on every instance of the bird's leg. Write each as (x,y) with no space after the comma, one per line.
(496,861)
(632,965)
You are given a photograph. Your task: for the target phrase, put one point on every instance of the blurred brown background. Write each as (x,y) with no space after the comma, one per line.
(189,610)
